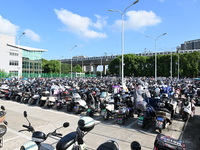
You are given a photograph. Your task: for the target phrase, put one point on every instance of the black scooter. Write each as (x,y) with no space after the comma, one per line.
(74,140)
(3,125)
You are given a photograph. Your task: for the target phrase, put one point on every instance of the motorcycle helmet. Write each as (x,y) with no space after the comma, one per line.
(86,123)
(109,145)
(135,145)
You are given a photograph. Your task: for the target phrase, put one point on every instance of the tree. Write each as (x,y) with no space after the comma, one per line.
(189,65)
(115,66)
(52,66)
(65,68)
(77,68)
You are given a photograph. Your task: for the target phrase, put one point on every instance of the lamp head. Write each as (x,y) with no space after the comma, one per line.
(164,33)
(136,2)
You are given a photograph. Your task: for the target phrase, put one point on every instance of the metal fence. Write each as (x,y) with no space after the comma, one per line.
(43,75)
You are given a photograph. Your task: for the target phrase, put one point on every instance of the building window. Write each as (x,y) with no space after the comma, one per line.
(14,63)
(14,73)
(14,54)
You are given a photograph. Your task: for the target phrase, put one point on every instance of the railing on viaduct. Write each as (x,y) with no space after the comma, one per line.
(90,62)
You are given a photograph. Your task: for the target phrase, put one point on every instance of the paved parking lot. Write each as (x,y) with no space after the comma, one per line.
(47,120)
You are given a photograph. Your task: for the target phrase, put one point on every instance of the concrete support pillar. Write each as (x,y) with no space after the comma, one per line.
(104,69)
(88,68)
(95,69)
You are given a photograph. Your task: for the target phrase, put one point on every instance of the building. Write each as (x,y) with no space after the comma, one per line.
(190,45)
(19,60)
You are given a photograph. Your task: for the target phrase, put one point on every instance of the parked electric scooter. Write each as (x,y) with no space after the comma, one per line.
(147,115)
(163,116)
(74,140)
(76,104)
(125,111)
(163,142)
(187,109)
(44,98)
(108,109)
(38,137)
(26,96)
(51,101)
(3,125)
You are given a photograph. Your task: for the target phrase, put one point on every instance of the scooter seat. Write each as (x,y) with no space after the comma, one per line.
(66,141)
(163,109)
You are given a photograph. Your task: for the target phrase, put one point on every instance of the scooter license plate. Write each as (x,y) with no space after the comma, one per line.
(119,116)
(141,118)
(159,124)
(103,112)
(160,119)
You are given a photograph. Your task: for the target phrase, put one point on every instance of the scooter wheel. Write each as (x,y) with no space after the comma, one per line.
(106,115)
(69,108)
(160,130)
(90,113)
(185,117)
(41,103)
(143,124)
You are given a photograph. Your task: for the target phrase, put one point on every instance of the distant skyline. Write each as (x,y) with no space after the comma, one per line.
(57,26)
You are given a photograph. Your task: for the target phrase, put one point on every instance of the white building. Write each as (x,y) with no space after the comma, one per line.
(19,60)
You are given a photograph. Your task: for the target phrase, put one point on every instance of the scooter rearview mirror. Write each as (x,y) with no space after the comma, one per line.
(66,124)
(3,108)
(25,114)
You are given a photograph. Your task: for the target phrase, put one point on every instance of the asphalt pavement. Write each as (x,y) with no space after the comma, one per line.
(47,120)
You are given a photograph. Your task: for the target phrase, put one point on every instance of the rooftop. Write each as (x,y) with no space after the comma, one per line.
(27,48)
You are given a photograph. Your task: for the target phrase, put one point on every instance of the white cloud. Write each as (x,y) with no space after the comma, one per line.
(81,25)
(101,22)
(139,20)
(6,27)
(32,35)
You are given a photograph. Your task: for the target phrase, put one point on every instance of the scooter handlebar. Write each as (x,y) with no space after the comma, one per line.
(55,134)
(30,128)
(25,126)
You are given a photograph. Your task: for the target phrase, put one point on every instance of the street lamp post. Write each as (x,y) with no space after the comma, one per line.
(171,65)
(71,58)
(102,66)
(155,39)
(60,66)
(122,38)
(178,64)
(171,72)
(19,53)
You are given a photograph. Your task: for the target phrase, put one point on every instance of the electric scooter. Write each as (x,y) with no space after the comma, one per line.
(38,136)
(74,140)
(3,125)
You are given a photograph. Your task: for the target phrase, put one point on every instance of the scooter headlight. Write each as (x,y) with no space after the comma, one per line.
(3,130)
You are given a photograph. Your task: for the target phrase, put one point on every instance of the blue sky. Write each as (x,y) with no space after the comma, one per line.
(59,25)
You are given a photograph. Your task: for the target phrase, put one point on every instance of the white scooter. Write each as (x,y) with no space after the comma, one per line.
(109,109)
(38,137)
(77,104)
(188,109)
